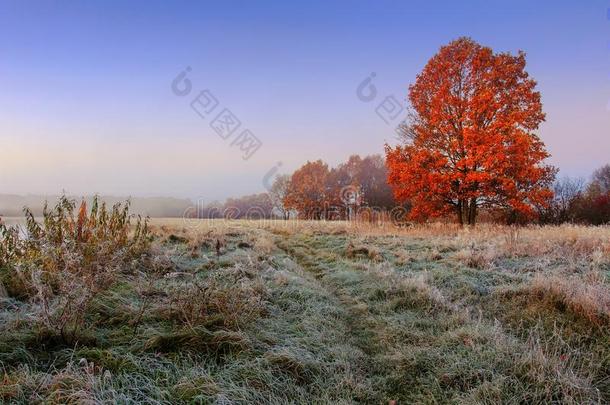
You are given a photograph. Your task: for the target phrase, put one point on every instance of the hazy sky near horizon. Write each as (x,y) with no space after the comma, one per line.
(86,103)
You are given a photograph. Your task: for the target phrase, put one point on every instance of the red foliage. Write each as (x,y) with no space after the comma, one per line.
(471,140)
(307,190)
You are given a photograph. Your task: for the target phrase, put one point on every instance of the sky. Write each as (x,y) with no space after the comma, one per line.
(87,101)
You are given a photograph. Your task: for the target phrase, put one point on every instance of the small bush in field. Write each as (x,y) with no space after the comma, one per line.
(62,263)
(208,315)
(228,303)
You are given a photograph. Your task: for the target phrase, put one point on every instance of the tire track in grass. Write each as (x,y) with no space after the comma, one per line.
(425,348)
(361,324)
(358,316)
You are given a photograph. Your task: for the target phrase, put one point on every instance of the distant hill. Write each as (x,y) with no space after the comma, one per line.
(11,205)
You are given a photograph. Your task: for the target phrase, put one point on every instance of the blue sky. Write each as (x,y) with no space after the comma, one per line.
(86,102)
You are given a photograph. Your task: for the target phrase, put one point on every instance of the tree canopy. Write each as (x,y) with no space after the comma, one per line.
(470,140)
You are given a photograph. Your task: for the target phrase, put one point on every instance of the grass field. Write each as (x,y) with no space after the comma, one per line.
(319,312)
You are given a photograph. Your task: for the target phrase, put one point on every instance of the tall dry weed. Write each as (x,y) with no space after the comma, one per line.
(71,256)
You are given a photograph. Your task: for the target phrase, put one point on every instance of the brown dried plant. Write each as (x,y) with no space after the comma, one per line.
(63,261)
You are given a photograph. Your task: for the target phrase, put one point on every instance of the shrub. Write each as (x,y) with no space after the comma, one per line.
(216,302)
(62,263)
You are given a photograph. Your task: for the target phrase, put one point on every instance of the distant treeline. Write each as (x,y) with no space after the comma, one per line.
(355,188)
(579,201)
(358,188)
(12,205)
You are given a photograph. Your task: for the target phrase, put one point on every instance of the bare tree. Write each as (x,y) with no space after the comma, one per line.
(567,191)
(278,193)
(373,177)
(601,177)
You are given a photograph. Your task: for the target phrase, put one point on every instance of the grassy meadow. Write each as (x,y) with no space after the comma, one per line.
(214,311)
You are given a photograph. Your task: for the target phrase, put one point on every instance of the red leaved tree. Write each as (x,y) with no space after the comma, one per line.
(308,190)
(470,140)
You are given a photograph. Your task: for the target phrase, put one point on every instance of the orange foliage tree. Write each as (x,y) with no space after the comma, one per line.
(470,139)
(317,192)
(308,190)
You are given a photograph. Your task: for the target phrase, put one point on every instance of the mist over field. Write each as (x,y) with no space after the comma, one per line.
(158,207)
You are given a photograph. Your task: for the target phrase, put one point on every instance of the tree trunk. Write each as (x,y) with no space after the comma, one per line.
(466,211)
(459,212)
(472,212)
